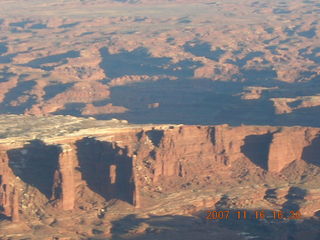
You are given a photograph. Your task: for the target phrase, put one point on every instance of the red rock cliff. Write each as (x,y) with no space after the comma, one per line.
(126,164)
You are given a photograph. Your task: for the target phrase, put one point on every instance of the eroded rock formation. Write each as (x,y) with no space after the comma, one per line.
(116,65)
(6,178)
(126,165)
(64,166)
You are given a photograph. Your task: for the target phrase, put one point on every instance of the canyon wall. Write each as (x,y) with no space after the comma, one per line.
(129,163)
(5,186)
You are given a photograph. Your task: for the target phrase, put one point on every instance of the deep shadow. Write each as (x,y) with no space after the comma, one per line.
(196,226)
(271,195)
(36,164)
(60,59)
(4,217)
(38,26)
(53,90)
(5,75)
(314,56)
(295,103)
(7,58)
(243,61)
(71,109)
(223,202)
(205,102)
(140,62)
(311,153)
(158,227)
(189,102)
(273,49)
(281,11)
(20,90)
(3,48)
(308,34)
(155,136)
(204,50)
(21,24)
(93,167)
(106,168)
(295,198)
(184,20)
(259,75)
(256,148)
(212,133)
(85,33)
(69,25)
(304,117)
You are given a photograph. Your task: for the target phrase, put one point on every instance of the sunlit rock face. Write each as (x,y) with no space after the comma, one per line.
(65,167)
(119,161)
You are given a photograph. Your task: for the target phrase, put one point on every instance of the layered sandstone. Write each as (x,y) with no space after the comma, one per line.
(65,166)
(67,160)
(6,178)
(129,162)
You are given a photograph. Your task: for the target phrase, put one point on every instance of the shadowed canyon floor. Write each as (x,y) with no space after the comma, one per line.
(80,178)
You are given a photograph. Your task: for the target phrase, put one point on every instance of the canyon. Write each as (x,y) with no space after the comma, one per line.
(202,63)
(94,172)
(131,119)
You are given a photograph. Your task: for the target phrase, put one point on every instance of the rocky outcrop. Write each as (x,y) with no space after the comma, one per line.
(9,194)
(66,181)
(253,93)
(90,109)
(179,150)
(130,163)
(4,184)
(256,56)
(288,145)
(288,105)
(106,169)
(15,206)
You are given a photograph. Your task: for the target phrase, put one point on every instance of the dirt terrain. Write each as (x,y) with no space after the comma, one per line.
(192,62)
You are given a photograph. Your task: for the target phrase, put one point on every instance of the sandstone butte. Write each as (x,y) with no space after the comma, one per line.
(57,171)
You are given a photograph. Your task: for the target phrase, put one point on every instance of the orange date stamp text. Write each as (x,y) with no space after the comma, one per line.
(255,214)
